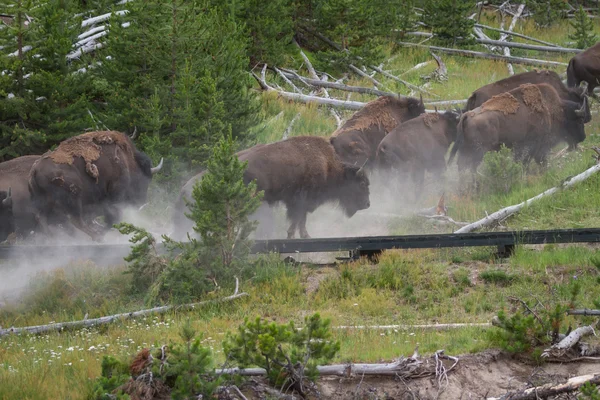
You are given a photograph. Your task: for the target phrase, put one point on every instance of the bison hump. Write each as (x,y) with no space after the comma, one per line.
(532,97)
(504,102)
(430,119)
(87,146)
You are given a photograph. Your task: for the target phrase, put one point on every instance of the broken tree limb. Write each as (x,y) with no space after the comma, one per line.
(584,312)
(406,368)
(303,98)
(559,349)
(112,318)
(285,78)
(365,75)
(516,35)
(508,211)
(550,389)
(421,326)
(286,133)
(488,56)
(337,86)
(504,37)
(418,66)
(407,84)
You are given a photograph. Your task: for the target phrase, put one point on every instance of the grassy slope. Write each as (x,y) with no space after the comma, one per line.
(421,286)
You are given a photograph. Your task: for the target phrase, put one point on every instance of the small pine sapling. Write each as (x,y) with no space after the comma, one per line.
(449,20)
(584,35)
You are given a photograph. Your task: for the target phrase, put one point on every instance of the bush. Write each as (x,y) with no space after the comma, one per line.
(498,277)
(499,173)
(289,355)
(449,20)
(546,12)
(584,29)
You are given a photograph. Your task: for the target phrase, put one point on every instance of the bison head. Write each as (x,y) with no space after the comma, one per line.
(7,223)
(415,107)
(354,189)
(576,116)
(139,189)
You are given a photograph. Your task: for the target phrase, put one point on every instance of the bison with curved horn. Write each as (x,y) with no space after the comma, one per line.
(357,139)
(90,175)
(15,174)
(584,67)
(7,223)
(530,119)
(301,172)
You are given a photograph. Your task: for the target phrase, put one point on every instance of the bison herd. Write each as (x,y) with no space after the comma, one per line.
(96,173)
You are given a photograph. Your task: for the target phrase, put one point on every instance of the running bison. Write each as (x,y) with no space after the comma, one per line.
(585,67)
(15,175)
(419,145)
(356,141)
(530,119)
(303,173)
(486,92)
(87,176)
(7,222)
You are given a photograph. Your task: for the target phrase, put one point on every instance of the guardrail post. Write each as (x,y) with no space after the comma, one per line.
(505,250)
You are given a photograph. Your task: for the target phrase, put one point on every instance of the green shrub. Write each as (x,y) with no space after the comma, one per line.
(499,173)
(546,12)
(497,277)
(289,355)
(584,29)
(449,20)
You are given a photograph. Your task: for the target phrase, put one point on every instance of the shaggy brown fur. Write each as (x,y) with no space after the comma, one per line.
(551,78)
(505,103)
(302,172)
(541,120)
(356,141)
(419,145)
(585,66)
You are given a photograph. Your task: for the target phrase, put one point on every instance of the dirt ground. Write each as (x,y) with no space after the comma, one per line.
(479,376)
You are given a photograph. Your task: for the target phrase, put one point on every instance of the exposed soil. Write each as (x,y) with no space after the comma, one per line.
(488,374)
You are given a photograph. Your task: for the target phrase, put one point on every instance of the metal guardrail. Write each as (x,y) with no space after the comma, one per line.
(367,245)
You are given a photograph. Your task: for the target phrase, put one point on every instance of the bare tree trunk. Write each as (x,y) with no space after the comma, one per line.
(517,35)
(551,389)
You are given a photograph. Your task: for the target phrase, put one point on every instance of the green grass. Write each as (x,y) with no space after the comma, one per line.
(406,287)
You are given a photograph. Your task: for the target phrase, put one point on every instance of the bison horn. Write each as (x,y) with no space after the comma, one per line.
(157,169)
(134,134)
(421,99)
(582,111)
(8,200)
(584,86)
(361,170)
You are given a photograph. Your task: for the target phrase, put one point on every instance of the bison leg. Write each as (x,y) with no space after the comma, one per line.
(302,226)
(297,215)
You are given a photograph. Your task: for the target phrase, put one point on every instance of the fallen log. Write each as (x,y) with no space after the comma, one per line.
(516,35)
(85,323)
(559,349)
(584,312)
(405,83)
(550,389)
(406,368)
(488,56)
(504,37)
(338,86)
(508,211)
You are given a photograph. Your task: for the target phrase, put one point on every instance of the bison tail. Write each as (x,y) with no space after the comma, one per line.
(571,80)
(459,139)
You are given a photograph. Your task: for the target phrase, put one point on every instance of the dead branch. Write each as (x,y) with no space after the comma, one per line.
(508,211)
(113,318)
(415,327)
(516,299)
(551,389)
(418,66)
(488,56)
(285,78)
(365,75)
(584,312)
(290,126)
(441,72)
(334,85)
(532,39)
(559,349)
(406,368)
(407,84)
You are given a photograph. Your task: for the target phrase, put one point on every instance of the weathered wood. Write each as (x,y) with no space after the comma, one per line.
(407,84)
(365,75)
(504,37)
(112,318)
(584,312)
(517,45)
(559,349)
(508,211)
(516,35)
(488,56)
(100,18)
(435,327)
(550,389)
(337,86)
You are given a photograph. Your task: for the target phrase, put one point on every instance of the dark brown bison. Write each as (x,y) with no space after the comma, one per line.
(303,173)
(419,145)
(585,67)
(15,174)
(356,141)
(530,119)
(7,222)
(486,92)
(87,176)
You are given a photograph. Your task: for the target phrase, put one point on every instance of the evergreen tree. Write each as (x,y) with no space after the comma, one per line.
(180,76)
(584,34)
(43,101)
(448,19)
(546,12)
